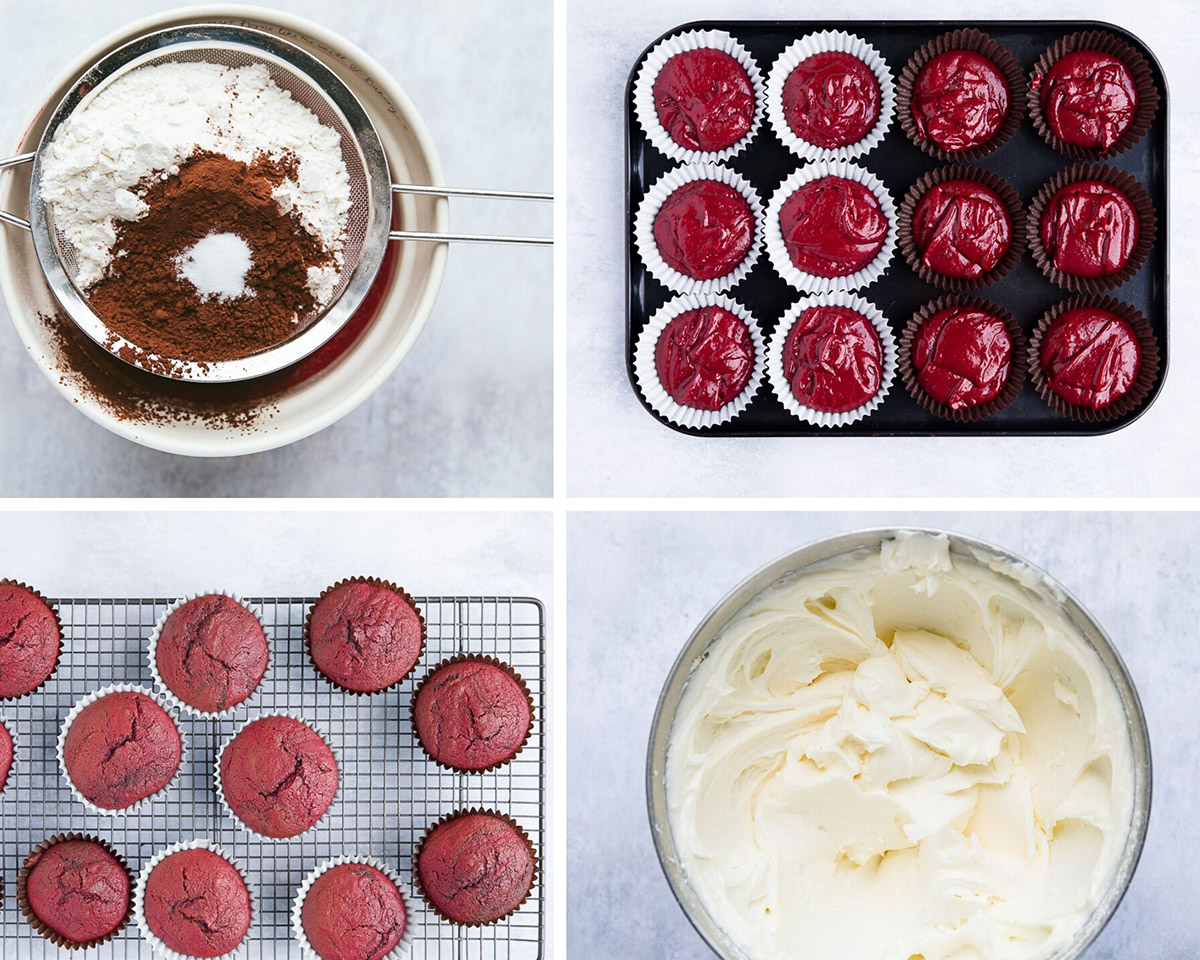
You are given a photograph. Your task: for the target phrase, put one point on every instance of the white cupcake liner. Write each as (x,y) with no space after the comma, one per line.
(161,685)
(221,791)
(647,246)
(645,368)
(779,383)
(139,897)
(830,41)
(773,232)
(656,59)
(91,698)
(12,732)
(406,939)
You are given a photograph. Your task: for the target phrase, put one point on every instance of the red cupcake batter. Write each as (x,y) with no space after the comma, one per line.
(197,903)
(832,227)
(831,100)
(961,228)
(1090,357)
(704,99)
(353,912)
(960,100)
(962,356)
(475,868)
(704,358)
(704,229)
(79,890)
(1089,99)
(1089,229)
(29,641)
(833,359)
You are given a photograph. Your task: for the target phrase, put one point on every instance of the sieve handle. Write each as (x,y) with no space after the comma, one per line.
(468,238)
(12,162)
(468,192)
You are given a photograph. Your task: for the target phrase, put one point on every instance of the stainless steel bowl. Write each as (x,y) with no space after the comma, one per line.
(967,547)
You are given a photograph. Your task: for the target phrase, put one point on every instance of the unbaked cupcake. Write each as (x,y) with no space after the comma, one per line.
(352,908)
(34,643)
(75,891)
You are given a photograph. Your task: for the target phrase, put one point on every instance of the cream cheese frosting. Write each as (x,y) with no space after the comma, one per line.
(901,754)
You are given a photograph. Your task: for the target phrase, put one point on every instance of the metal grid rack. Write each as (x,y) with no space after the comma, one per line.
(390,792)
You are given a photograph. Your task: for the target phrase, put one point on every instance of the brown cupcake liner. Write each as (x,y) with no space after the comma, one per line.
(1103,42)
(446,818)
(5,582)
(379,583)
(33,919)
(978,42)
(1012,203)
(1147,374)
(1017,365)
(472,658)
(1142,206)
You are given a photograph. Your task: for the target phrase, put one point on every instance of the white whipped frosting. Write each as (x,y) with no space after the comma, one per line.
(900,755)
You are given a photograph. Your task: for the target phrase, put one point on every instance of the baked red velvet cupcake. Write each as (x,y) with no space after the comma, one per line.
(7,753)
(277,776)
(1089,228)
(75,891)
(704,229)
(831,99)
(705,100)
(353,911)
(195,902)
(1089,99)
(476,867)
(33,640)
(1089,357)
(961,229)
(472,713)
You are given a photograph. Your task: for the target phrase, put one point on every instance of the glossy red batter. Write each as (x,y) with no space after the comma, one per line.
(832,227)
(1089,99)
(833,359)
(961,356)
(961,228)
(1089,229)
(832,99)
(704,99)
(704,358)
(1090,357)
(960,100)
(704,229)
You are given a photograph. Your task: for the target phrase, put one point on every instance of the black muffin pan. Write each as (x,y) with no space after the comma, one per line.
(1025,160)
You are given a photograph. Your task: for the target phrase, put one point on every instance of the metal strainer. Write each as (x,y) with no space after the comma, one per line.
(311,84)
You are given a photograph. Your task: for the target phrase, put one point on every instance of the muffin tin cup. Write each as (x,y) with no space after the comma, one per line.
(401,949)
(782,388)
(139,898)
(446,818)
(472,658)
(830,41)
(1017,364)
(1008,196)
(142,805)
(161,685)
(646,368)
(1147,374)
(1143,209)
(23,898)
(5,582)
(978,42)
(643,92)
(777,250)
(12,733)
(647,245)
(1103,42)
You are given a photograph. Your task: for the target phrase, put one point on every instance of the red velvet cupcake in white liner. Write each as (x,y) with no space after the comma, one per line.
(830,41)
(775,366)
(647,244)
(643,92)
(645,366)
(7,777)
(777,250)
(400,950)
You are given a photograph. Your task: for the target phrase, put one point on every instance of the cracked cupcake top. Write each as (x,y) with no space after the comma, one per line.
(29,640)
(79,890)
(6,754)
(197,903)
(364,636)
(353,912)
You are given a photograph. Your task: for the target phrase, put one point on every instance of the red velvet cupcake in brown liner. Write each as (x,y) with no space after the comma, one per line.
(967,221)
(22,655)
(1005,67)
(1139,209)
(1137,75)
(1143,381)
(983,409)
(42,927)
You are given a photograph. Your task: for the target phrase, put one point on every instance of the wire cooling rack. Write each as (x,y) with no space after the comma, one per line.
(389,793)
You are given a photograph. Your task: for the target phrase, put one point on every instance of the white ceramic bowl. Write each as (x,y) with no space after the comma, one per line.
(328,396)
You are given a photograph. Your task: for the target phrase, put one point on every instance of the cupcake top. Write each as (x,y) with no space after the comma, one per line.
(832,226)
(6,754)
(1089,229)
(476,868)
(278,776)
(364,637)
(832,99)
(1090,357)
(353,912)
(472,715)
(79,890)
(197,903)
(704,358)
(1089,99)
(961,228)
(212,653)
(121,748)
(833,359)
(704,99)
(961,356)
(31,640)
(960,100)
(704,229)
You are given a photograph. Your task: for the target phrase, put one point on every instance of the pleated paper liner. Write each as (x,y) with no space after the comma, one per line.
(472,658)
(406,938)
(1102,42)
(5,582)
(1017,365)
(1143,209)
(1138,391)
(10,727)
(975,41)
(42,928)
(1008,196)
